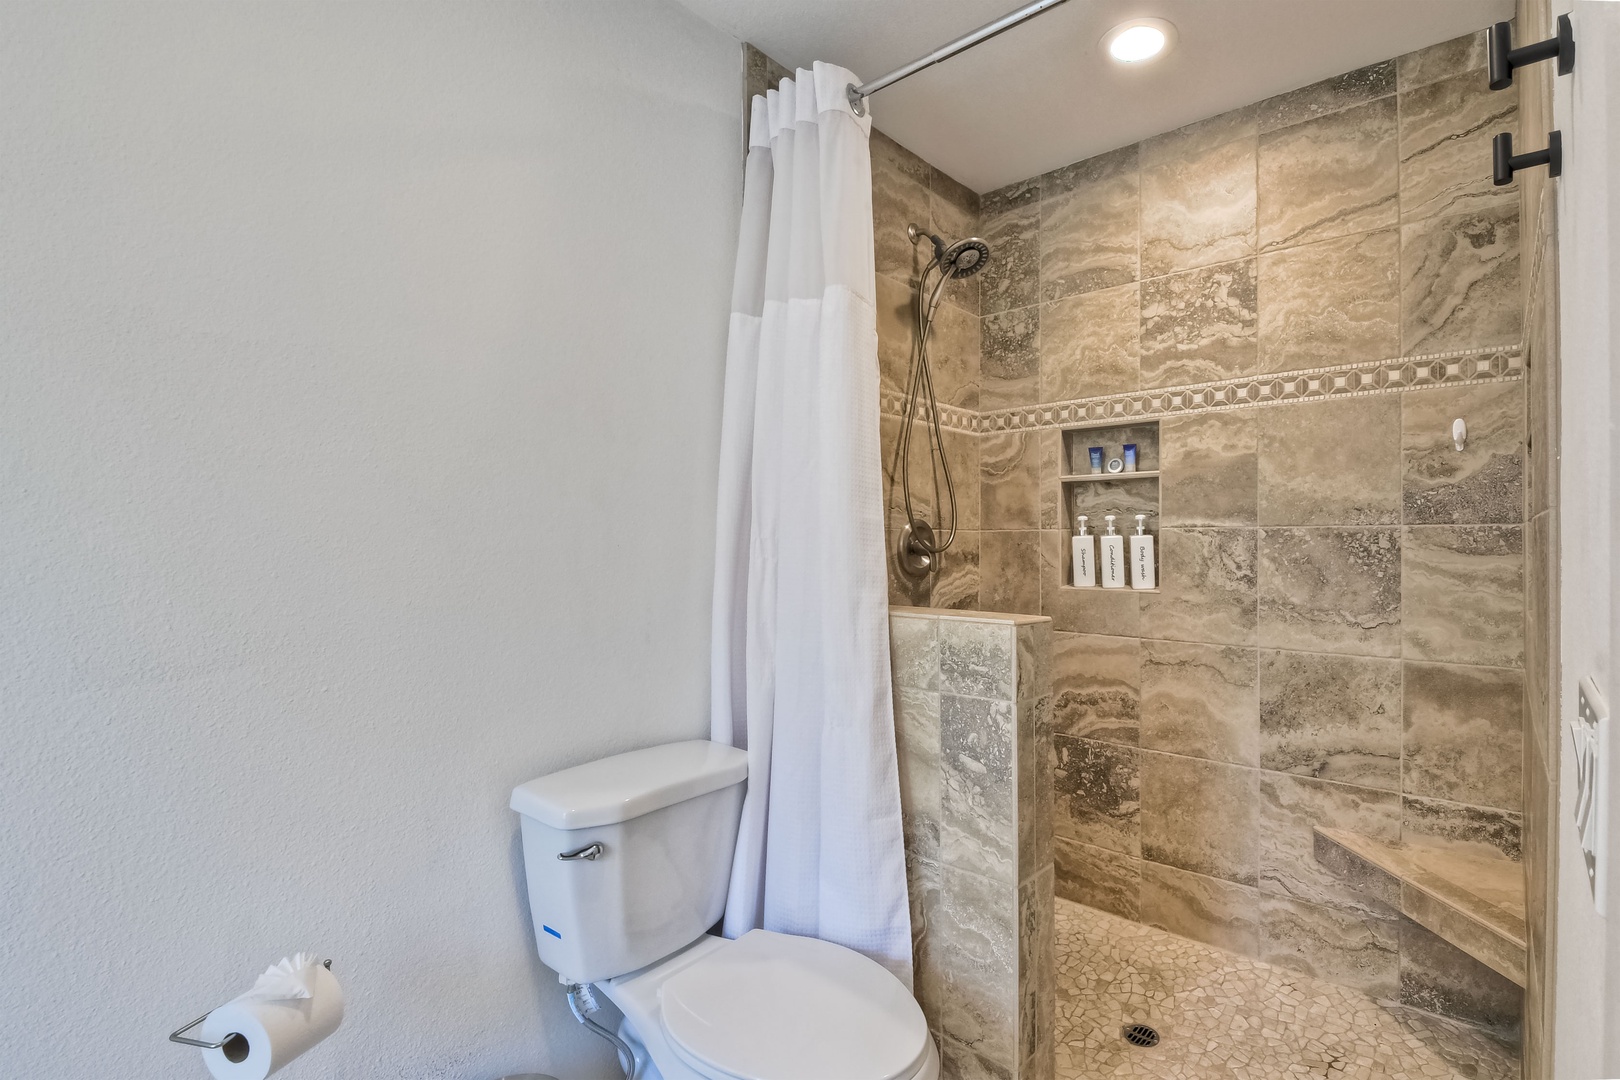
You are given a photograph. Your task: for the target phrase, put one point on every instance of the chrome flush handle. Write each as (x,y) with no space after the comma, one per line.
(589,852)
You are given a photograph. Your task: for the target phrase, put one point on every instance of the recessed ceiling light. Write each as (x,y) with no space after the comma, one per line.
(1138,40)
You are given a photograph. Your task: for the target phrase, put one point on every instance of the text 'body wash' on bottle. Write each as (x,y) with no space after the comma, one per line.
(1142,572)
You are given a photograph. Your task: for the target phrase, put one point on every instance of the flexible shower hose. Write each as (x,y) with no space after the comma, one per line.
(922,381)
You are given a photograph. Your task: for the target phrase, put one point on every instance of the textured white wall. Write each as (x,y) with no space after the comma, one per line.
(1587,1036)
(360,370)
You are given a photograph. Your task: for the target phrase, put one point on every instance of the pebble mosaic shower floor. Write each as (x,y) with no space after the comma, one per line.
(1226,1017)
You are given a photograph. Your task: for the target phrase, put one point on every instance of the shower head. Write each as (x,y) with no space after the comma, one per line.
(965,257)
(961,259)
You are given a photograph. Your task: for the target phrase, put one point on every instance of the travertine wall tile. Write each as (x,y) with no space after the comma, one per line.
(908,190)
(1036,988)
(1328,96)
(1542,724)
(922,774)
(1198,206)
(1460,280)
(1333,302)
(1335,462)
(953,356)
(962,452)
(1481,485)
(1200,701)
(1332,176)
(1440,978)
(1350,948)
(1091,344)
(1446,130)
(957,584)
(1199,816)
(1089,214)
(1010,358)
(1331,717)
(1209,593)
(1097,786)
(1462,594)
(1240,125)
(1012,222)
(1009,479)
(979,826)
(1471,830)
(1009,571)
(1331,590)
(897,332)
(976,659)
(1199,325)
(953,213)
(1115,612)
(1096,687)
(1464,734)
(1449,58)
(1212,910)
(914,651)
(1124,498)
(979,920)
(899,198)
(1110,881)
(1210,466)
(1291,807)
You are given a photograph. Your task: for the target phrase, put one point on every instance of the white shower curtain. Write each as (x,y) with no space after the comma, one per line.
(800,637)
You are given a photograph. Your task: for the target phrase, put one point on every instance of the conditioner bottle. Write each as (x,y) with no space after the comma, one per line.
(1111,563)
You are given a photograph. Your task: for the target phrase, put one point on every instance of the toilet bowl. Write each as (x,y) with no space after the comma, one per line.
(772,1007)
(627,860)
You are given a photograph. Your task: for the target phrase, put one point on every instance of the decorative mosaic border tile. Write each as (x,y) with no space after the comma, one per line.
(1495,364)
(951,417)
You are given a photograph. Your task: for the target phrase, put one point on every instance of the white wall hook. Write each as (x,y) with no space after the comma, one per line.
(1459,433)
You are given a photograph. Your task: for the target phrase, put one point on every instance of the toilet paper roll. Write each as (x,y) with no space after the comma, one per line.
(270,1032)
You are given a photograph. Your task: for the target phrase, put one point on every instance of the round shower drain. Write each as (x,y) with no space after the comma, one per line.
(1140,1035)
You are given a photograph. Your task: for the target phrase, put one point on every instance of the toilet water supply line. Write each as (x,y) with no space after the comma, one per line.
(582,1002)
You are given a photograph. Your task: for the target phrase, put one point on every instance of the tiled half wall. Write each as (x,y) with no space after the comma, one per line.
(1305,293)
(973,731)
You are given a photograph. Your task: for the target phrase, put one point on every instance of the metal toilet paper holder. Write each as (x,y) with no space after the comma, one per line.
(178,1035)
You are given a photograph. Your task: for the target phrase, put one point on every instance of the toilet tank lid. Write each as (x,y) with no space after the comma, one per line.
(625,786)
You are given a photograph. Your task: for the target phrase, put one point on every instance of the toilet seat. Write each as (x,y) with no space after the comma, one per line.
(774,1006)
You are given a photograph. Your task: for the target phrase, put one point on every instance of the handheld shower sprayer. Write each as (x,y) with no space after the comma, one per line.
(919,548)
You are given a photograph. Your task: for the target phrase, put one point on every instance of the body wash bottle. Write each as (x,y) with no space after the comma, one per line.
(1142,574)
(1112,562)
(1085,556)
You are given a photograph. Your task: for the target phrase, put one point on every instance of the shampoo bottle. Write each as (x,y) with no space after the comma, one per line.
(1112,563)
(1085,556)
(1142,575)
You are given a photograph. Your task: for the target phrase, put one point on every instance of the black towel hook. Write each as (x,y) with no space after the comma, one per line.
(1504,57)
(1505,162)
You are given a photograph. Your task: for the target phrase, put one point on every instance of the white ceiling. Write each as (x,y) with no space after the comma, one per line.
(1044,94)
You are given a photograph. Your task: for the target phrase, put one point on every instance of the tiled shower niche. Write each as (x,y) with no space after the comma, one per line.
(1096,495)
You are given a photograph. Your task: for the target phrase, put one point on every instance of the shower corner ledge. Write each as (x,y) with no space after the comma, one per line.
(1475,902)
(969,615)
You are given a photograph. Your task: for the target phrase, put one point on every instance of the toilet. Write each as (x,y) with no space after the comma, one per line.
(628,859)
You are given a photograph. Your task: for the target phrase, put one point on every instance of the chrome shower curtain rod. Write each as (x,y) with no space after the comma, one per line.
(859,94)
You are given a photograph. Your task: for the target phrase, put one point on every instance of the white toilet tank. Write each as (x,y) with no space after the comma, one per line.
(666,822)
